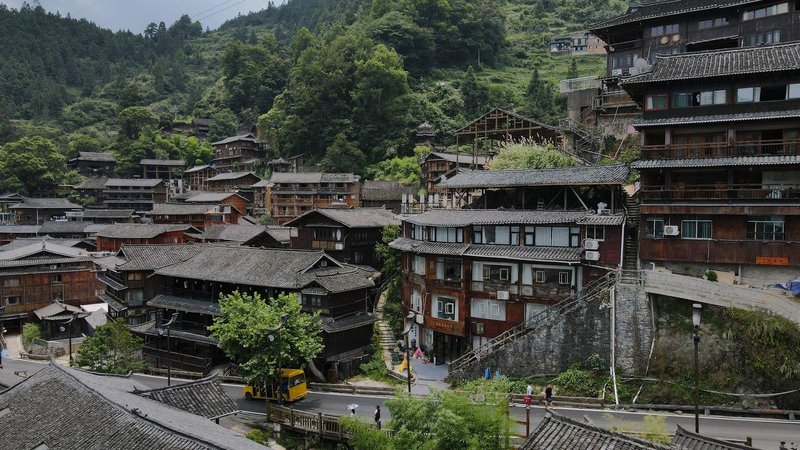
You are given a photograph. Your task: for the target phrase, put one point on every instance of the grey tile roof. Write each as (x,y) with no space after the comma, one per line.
(745,161)
(179,209)
(578,175)
(340,279)
(462,158)
(718,118)
(132,182)
(338,178)
(686,440)
(517,252)
(602,219)
(351,217)
(184,304)
(234,233)
(92,183)
(465,217)
(36,246)
(96,156)
(103,412)
(163,162)
(230,176)
(428,248)
(57,309)
(739,61)
(280,234)
(26,241)
(45,203)
(42,265)
(312,177)
(198,168)
(64,227)
(108,213)
(151,257)
(150,329)
(141,230)
(239,137)
(19,229)
(112,303)
(331,325)
(559,432)
(105,279)
(664,9)
(204,397)
(212,197)
(375,190)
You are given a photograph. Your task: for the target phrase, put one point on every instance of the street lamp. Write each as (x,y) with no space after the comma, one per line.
(697,309)
(161,332)
(409,323)
(68,325)
(272,338)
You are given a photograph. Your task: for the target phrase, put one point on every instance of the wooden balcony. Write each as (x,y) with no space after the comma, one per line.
(445,284)
(554,292)
(494,286)
(721,251)
(720,192)
(613,100)
(777,147)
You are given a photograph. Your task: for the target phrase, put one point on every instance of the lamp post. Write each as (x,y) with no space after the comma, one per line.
(2,333)
(165,330)
(409,323)
(696,313)
(272,338)
(68,325)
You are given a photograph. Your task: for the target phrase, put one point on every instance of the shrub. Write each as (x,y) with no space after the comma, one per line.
(711,275)
(259,435)
(30,332)
(578,381)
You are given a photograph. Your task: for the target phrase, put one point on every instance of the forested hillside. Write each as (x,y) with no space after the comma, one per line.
(346,82)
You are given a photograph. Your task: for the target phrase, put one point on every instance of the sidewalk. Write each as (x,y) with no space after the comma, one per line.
(429,376)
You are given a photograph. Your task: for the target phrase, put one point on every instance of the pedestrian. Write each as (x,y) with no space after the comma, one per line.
(548,395)
(378,416)
(352,407)
(529,390)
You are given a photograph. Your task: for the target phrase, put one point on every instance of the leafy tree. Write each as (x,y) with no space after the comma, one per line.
(475,94)
(83,143)
(112,349)
(404,169)
(529,155)
(244,327)
(30,164)
(343,156)
(573,69)
(265,219)
(540,99)
(224,123)
(392,309)
(30,332)
(136,119)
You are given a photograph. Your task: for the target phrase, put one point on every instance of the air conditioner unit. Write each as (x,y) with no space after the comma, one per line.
(616,72)
(477,328)
(339,246)
(592,256)
(591,244)
(502,295)
(633,71)
(604,212)
(420,319)
(671,230)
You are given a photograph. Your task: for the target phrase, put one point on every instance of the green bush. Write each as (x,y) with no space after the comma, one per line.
(577,381)
(30,332)
(259,435)
(711,275)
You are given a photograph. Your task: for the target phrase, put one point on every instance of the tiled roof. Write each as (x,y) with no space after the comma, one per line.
(184,304)
(42,265)
(103,412)
(664,9)
(132,182)
(108,213)
(198,168)
(230,176)
(204,398)
(525,253)
(112,304)
(462,158)
(26,241)
(57,309)
(280,234)
(92,183)
(211,197)
(150,329)
(559,432)
(374,190)
(351,217)
(96,156)
(140,230)
(578,175)
(233,233)
(718,118)
(105,279)
(163,162)
(340,279)
(686,440)
(178,209)
(36,246)
(312,177)
(151,257)
(602,219)
(240,137)
(465,217)
(331,325)
(745,161)
(428,248)
(64,227)
(738,61)
(19,229)
(45,203)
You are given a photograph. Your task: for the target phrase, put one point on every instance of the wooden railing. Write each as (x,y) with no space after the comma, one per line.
(775,147)
(721,191)
(612,99)
(325,426)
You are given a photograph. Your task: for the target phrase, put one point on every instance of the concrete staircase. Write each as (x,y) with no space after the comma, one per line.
(587,142)
(630,261)
(387,340)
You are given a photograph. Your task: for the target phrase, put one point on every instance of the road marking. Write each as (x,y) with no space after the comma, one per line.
(666,414)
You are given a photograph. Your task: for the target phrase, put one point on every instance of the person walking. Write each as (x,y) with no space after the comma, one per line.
(529,390)
(378,416)
(548,395)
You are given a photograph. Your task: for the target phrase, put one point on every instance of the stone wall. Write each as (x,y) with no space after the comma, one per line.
(634,329)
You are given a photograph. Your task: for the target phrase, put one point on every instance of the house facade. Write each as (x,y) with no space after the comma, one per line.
(237,153)
(200,216)
(94,164)
(232,182)
(36,211)
(720,163)
(136,194)
(194,179)
(290,195)
(112,237)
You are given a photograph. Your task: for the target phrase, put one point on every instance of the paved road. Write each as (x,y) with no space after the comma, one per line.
(766,433)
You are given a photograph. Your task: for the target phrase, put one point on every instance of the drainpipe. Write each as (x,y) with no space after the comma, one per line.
(613,294)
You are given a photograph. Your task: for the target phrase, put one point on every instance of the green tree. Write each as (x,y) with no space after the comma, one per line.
(392,309)
(540,99)
(404,169)
(475,94)
(529,155)
(573,69)
(83,143)
(136,119)
(30,332)
(343,156)
(244,328)
(224,124)
(30,164)
(112,349)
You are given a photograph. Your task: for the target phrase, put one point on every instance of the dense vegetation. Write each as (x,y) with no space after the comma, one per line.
(346,82)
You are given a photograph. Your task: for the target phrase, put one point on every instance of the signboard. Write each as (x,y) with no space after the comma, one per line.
(771,261)
(445,326)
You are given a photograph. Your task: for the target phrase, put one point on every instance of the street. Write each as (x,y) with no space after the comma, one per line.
(766,433)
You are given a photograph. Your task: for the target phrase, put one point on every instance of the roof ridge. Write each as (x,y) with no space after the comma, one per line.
(552,416)
(209,379)
(693,435)
(794,43)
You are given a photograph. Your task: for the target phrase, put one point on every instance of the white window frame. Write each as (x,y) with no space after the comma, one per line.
(442,307)
(415,302)
(565,278)
(539,276)
(697,222)
(489,309)
(418,265)
(792,91)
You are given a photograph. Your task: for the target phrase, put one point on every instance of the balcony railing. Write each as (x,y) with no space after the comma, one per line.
(494,286)
(445,284)
(613,99)
(775,147)
(721,191)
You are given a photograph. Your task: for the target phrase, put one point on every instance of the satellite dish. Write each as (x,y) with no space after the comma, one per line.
(676,38)
(642,64)
(664,40)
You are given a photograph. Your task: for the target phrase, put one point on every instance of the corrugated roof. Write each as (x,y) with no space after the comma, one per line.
(351,217)
(738,61)
(578,175)
(132,182)
(163,162)
(230,176)
(602,219)
(204,397)
(716,162)
(140,230)
(664,9)
(560,432)
(465,217)
(718,118)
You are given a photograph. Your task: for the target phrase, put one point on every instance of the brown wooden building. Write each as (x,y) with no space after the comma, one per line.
(200,216)
(94,164)
(219,199)
(35,211)
(232,181)
(237,153)
(386,194)
(194,179)
(162,169)
(290,195)
(136,194)
(720,164)
(113,237)
(349,235)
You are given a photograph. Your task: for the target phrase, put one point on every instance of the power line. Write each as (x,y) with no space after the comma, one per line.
(221,10)
(209,9)
(88,6)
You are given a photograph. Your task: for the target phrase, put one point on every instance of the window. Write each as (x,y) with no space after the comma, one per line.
(793,91)
(56,278)
(448,269)
(416,301)
(662,30)
(622,61)
(12,299)
(530,235)
(135,276)
(11,282)
(445,234)
(548,276)
(557,237)
(417,232)
(134,297)
(565,278)
(656,102)
(445,308)
(496,272)
(712,23)
(418,265)
(748,94)
(700,98)
(766,228)
(493,235)
(696,229)
(760,13)
(763,38)
(327,234)
(655,228)
(488,309)
(596,232)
